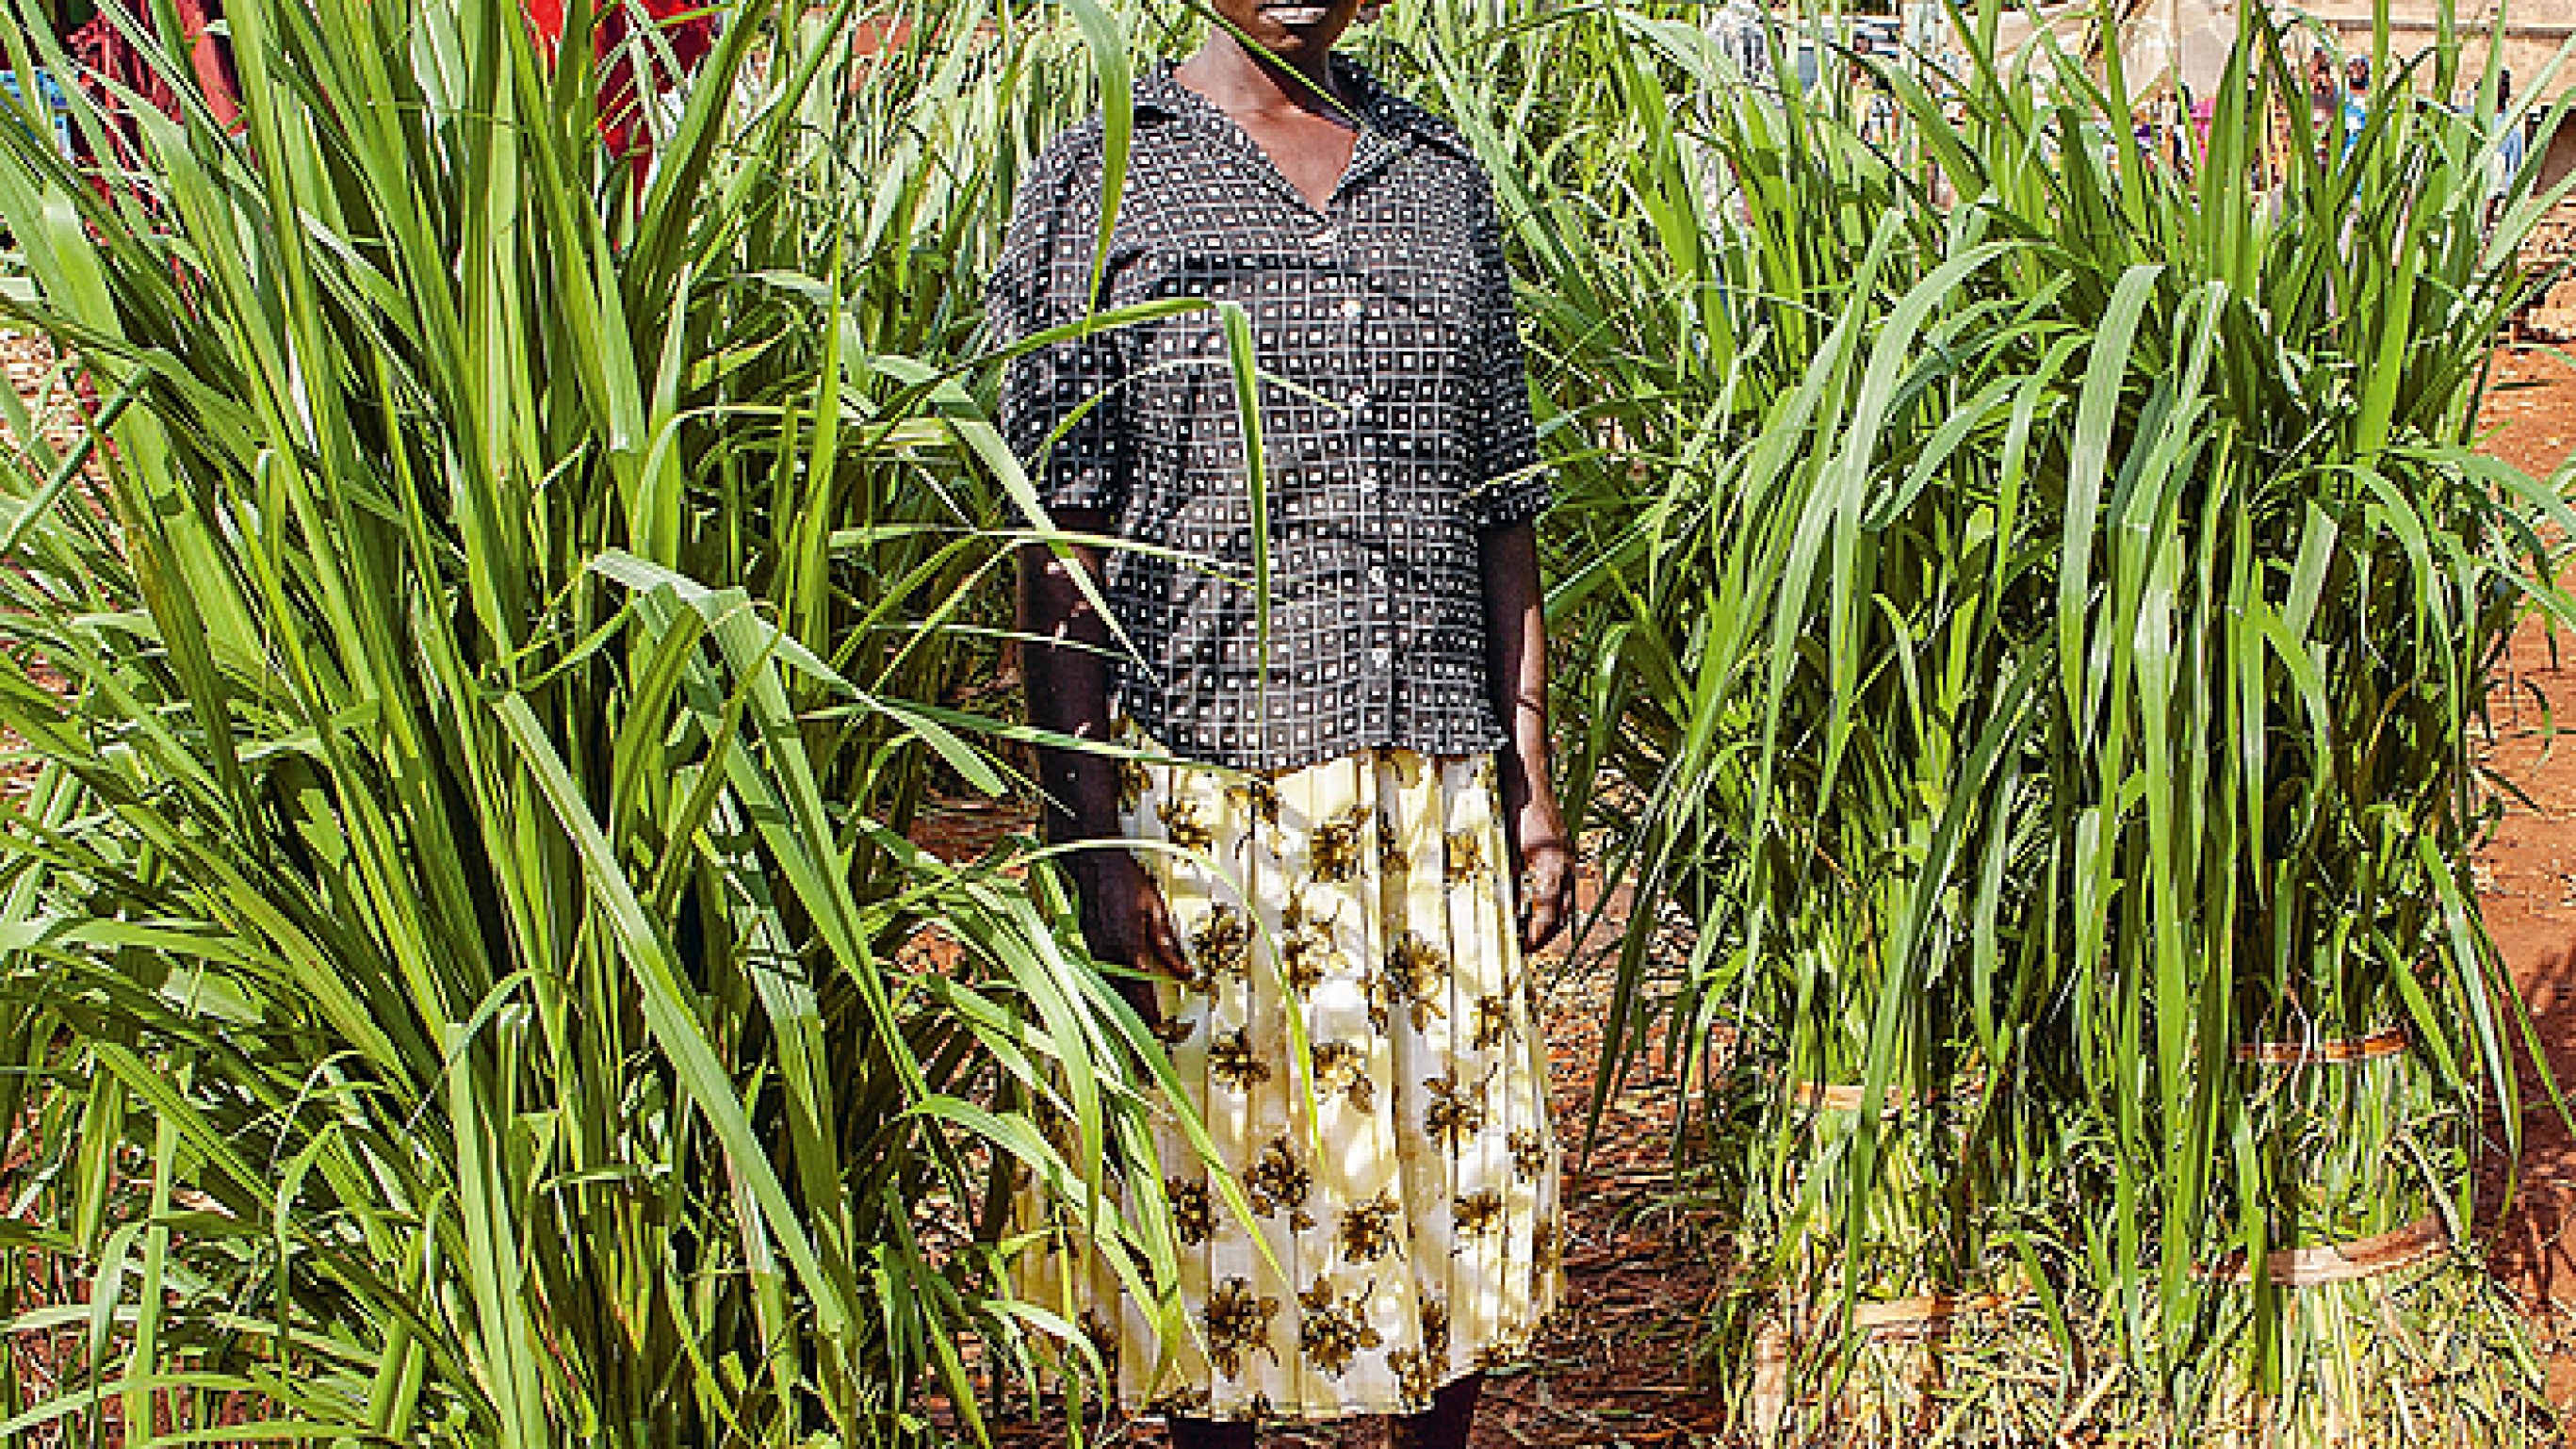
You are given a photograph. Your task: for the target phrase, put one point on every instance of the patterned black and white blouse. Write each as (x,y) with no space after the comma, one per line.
(1394,417)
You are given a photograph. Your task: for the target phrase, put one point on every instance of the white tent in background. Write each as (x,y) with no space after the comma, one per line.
(2177,46)
(2167,47)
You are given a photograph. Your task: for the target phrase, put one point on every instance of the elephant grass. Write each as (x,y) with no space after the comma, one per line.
(2032,615)
(478,651)
(2024,617)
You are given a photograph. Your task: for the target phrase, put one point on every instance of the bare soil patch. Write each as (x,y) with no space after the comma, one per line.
(2527,886)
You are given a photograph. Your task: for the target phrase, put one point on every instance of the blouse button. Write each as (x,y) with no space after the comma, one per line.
(1352,307)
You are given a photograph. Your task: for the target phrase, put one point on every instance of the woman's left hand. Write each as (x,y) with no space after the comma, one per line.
(1543,861)
(1516,672)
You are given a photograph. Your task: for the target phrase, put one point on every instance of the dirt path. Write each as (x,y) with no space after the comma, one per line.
(2527,885)
(1615,1364)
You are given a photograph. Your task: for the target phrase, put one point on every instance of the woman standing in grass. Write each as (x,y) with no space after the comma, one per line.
(1350,831)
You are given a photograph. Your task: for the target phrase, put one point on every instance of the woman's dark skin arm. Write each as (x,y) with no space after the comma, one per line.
(1516,675)
(1065,672)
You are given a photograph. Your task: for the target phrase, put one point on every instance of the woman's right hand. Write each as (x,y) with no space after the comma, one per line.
(1063,646)
(1126,923)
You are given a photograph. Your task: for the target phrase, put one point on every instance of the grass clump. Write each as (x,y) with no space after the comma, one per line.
(479,649)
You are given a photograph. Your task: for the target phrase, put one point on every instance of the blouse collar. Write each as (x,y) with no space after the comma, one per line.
(1381,110)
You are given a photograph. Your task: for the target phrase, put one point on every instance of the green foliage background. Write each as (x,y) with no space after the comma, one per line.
(482,625)
(481,650)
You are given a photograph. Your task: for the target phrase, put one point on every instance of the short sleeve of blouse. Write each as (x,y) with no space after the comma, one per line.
(1510,483)
(1062,407)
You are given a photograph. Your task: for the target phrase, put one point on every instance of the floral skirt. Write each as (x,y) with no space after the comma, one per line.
(1399,1162)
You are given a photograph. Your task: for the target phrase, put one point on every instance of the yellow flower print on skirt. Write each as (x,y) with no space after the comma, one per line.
(1403,1172)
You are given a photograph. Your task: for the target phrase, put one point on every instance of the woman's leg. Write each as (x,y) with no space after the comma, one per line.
(1209,1433)
(1444,1424)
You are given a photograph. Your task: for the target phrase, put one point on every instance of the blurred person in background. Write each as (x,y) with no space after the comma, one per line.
(1316,877)
(2325,99)
(1877,107)
(2505,161)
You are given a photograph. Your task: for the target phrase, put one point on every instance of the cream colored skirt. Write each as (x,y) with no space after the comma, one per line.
(1401,1169)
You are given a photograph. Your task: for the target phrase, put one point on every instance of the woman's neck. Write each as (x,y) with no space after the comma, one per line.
(1239,81)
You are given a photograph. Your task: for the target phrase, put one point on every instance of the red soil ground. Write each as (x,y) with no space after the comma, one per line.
(2527,880)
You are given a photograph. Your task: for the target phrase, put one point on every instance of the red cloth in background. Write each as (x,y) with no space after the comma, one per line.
(688,27)
(106,58)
